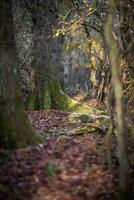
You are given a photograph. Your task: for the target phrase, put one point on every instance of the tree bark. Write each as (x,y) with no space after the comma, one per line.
(15,130)
(46,52)
(127,42)
(116,80)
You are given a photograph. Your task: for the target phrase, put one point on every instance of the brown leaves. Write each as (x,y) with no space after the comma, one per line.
(46,120)
(32,174)
(61,168)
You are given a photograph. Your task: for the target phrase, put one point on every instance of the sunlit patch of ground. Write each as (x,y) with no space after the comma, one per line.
(83,98)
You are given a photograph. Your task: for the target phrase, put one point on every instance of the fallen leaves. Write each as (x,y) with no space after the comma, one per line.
(45,120)
(63,168)
(59,168)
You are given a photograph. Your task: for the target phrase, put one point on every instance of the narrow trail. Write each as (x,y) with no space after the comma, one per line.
(69,165)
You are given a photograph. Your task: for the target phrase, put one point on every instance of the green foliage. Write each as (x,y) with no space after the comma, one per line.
(51,169)
(47,98)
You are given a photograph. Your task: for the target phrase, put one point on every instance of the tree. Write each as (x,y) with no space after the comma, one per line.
(47,92)
(15,130)
(23,29)
(90,16)
(116,81)
(46,51)
(127,42)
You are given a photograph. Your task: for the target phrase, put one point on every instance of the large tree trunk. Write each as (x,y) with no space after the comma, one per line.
(47,92)
(23,28)
(15,131)
(46,53)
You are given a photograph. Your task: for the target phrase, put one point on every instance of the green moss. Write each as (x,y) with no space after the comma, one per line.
(84,129)
(47,98)
(30,103)
(64,102)
(89,122)
(54,97)
(39,99)
(16,131)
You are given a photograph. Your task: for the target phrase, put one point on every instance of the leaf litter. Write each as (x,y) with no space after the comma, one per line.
(62,168)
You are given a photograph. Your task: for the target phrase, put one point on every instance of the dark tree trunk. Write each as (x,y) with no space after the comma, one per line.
(46,53)
(23,28)
(14,128)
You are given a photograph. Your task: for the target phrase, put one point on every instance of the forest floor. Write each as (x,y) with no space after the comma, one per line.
(69,165)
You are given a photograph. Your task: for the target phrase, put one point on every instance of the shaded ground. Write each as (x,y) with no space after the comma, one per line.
(65,167)
(61,169)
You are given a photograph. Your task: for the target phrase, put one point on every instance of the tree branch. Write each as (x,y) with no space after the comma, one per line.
(93,27)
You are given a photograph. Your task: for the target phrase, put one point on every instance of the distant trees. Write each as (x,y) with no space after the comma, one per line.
(89,16)
(15,130)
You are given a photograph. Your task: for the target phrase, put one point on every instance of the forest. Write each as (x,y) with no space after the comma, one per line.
(66,100)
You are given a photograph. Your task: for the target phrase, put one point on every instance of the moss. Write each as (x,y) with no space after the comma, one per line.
(84,129)
(47,98)
(54,97)
(17,133)
(63,102)
(89,122)
(37,101)
(30,103)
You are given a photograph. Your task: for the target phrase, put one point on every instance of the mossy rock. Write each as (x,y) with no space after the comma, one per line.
(89,121)
(83,129)
(86,117)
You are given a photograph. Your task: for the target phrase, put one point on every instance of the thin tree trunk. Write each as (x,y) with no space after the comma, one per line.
(116,80)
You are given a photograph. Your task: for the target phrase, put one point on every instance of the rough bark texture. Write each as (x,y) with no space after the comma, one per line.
(47,92)
(23,28)
(15,131)
(46,52)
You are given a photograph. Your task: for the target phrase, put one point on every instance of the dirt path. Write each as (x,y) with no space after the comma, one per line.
(63,168)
